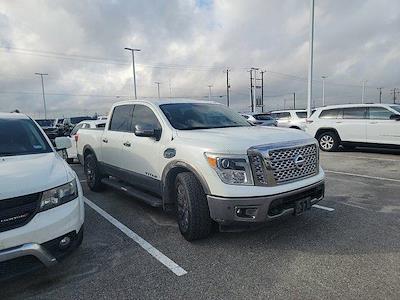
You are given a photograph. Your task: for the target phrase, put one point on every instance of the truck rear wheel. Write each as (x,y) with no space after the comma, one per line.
(192,208)
(93,174)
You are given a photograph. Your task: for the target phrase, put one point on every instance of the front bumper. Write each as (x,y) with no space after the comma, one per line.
(261,209)
(47,253)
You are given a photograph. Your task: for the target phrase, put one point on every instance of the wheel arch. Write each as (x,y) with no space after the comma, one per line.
(87,149)
(326,129)
(169,175)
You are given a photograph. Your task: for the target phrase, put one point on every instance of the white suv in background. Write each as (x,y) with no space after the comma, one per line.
(295,119)
(352,125)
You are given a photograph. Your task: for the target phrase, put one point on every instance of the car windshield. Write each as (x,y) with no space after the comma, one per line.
(396,107)
(45,123)
(190,116)
(21,137)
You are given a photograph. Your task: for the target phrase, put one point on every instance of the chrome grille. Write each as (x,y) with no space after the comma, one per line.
(284,168)
(273,165)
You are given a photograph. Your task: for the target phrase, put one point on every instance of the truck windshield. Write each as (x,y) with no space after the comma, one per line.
(21,137)
(190,116)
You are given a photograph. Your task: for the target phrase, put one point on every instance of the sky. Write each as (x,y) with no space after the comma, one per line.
(187,45)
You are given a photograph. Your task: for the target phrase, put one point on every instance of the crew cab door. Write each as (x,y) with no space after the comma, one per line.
(114,137)
(380,128)
(142,155)
(353,125)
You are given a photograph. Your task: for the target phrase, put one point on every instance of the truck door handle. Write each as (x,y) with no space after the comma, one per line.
(127,144)
(105,140)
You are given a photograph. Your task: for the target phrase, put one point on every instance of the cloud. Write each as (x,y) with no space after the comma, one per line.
(186,45)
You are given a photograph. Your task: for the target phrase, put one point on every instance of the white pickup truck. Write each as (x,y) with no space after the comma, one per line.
(205,160)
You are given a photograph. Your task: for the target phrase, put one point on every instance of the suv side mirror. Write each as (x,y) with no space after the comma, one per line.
(147,131)
(395,117)
(62,143)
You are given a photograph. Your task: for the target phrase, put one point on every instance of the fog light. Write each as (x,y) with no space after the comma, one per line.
(65,241)
(246,212)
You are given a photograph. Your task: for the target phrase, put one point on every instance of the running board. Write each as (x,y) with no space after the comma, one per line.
(130,190)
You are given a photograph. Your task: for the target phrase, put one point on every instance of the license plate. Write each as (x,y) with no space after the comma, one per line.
(301,206)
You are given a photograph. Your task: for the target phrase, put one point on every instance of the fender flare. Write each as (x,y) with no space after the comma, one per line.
(323,129)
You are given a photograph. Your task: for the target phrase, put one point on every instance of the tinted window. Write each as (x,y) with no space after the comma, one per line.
(144,116)
(76,120)
(76,128)
(354,113)
(331,114)
(190,116)
(263,117)
(245,116)
(396,107)
(301,114)
(379,113)
(21,137)
(281,115)
(121,119)
(45,123)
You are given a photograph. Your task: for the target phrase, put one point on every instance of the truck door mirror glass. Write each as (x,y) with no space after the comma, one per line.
(145,131)
(62,143)
(395,117)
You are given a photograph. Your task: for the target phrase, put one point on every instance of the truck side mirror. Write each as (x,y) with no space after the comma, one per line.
(395,117)
(62,143)
(147,131)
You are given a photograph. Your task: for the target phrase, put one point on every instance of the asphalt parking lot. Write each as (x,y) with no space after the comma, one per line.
(347,248)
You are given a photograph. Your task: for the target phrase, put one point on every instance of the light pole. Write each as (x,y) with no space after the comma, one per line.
(158,88)
(323,89)
(44,98)
(310,61)
(133,68)
(363,91)
(209,92)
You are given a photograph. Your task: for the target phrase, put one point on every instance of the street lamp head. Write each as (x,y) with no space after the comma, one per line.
(131,49)
(43,74)
(324,76)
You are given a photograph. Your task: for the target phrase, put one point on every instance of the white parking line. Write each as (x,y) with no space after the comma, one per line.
(176,269)
(323,207)
(363,176)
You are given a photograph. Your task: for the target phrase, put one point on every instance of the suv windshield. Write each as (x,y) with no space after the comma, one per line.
(21,137)
(396,107)
(189,116)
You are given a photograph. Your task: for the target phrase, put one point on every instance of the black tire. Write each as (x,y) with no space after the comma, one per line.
(93,174)
(192,208)
(328,141)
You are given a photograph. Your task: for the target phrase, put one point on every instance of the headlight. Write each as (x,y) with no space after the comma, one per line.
(231,169)
(59,195)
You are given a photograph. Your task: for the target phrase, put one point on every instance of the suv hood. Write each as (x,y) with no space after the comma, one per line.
(27,174)
(236,140)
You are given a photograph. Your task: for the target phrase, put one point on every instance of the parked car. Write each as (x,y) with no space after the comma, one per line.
(260,119)
(352,125)
(74,136)
(50,128)
(41,201)
(295,119)
(205,160)
(102,118)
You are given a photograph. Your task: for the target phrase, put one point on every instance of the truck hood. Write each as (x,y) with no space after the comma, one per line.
(27,174)
(236,140)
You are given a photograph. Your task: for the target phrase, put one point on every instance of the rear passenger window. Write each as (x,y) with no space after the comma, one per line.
(121,119)
(284,115)
(354,113)
(144,116)
(379,113)
(301,114)
(331,114)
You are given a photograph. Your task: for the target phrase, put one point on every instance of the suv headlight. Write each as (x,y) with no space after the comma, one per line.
(231,169)
(59,195)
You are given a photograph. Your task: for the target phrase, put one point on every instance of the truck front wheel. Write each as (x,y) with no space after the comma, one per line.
(92,172)
(192,208)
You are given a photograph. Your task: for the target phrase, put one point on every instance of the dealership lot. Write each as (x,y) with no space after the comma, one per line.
(348,247)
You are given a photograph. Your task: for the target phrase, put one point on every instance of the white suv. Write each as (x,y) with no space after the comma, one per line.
(41,201)
(295,119)
(352,125)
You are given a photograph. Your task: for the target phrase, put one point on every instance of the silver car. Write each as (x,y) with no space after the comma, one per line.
(290,118)
(262,119)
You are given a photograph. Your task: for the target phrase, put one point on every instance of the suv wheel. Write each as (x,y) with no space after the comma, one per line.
(92,172)
(328,141)
(192,208)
